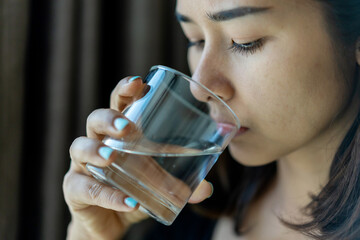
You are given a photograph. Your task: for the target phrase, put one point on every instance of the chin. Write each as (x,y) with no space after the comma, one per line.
(249,158)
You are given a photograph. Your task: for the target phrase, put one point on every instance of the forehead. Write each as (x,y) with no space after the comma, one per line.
(219,5)
(281,10)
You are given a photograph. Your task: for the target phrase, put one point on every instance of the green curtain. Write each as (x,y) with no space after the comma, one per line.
(59,60)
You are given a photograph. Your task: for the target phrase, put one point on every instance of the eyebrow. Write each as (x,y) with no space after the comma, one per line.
(226,14)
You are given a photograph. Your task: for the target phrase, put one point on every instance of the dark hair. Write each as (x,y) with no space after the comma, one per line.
(335,211)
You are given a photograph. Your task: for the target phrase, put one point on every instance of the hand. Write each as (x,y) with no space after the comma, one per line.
(98,210)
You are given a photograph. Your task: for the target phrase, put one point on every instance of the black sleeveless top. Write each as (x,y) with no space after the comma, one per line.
(187,226)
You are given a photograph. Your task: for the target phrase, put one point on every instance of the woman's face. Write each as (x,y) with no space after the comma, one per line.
(274,63)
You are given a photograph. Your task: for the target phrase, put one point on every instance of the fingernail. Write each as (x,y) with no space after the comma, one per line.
(212,189)
(130,202)
(120,123)
(133,78)
(105,152)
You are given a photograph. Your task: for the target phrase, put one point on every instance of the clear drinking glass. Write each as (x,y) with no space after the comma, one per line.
(182,128)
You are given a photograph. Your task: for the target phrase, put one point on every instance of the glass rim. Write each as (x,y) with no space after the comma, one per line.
(202,86)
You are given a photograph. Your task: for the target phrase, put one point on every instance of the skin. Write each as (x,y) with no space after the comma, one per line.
(290,94)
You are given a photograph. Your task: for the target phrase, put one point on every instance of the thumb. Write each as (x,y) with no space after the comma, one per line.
(202,192)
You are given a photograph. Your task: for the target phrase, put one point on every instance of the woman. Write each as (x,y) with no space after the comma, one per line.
(290,71)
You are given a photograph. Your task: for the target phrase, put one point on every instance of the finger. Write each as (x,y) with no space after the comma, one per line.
(85,150)
(202,192)
(126,92)
(81,191)
(108,122)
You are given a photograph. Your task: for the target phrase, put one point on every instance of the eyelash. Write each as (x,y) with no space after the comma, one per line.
(243,48)
(247,48)
(196,43)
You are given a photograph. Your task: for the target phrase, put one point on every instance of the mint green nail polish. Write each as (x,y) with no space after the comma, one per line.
(130,202)
(133,78)
(120,123)
(105,152)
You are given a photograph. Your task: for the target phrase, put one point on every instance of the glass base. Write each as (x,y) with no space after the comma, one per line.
(150,203)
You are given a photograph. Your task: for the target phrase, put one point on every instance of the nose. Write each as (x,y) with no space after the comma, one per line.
(211,73)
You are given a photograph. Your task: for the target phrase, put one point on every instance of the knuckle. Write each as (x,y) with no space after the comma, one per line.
(115,91)
(65,182)
(95,190)
(114,197)
(100,118)
(114,94)
(93,115)
(67,185)
(74,147)
(72,154)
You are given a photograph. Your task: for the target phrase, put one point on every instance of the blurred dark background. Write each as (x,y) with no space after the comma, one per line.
(59,60)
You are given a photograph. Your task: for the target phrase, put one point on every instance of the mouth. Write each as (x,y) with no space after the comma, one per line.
(241,131)
(226,128)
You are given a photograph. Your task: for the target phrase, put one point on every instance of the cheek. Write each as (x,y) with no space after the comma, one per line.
(303,97)
(291,96)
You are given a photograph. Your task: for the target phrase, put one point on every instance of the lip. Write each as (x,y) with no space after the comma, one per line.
(225,128)
(241,131)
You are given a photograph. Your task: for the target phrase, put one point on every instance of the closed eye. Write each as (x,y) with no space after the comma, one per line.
(247,48)
(199,43)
